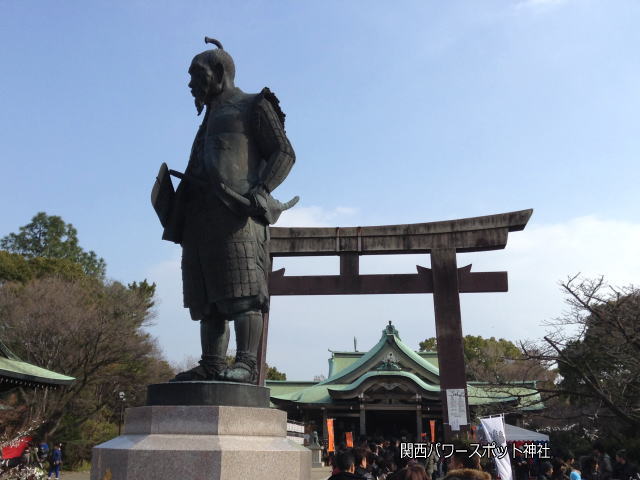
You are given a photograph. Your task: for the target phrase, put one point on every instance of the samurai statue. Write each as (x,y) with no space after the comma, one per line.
(221,211)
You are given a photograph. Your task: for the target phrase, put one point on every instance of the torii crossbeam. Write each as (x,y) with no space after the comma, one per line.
(442,240)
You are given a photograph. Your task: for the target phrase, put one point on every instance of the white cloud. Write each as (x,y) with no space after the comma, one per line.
(303,328)
(314,216)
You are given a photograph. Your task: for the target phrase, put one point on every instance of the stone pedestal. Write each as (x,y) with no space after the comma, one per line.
(202,443)
(208,393)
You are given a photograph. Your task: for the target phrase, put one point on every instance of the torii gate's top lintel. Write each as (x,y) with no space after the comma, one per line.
(465,235)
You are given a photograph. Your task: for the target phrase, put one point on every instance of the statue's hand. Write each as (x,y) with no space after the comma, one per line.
(263,205)
(258,198)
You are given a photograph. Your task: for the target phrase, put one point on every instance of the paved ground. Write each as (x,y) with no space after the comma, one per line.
(316,474)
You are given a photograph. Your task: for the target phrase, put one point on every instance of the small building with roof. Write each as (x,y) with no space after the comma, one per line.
(390,391)
(16,373)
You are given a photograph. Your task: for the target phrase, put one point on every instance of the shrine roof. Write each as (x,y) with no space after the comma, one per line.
(526,398)
(351,364)
(386,375)
(15,372)
(478,395)
(286,386)
(350,372)
(340,360)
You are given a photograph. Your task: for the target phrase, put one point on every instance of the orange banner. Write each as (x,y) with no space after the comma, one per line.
(349,439)
(331,445)
(432,426)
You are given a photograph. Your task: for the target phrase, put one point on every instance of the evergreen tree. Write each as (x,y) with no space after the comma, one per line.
(48,236)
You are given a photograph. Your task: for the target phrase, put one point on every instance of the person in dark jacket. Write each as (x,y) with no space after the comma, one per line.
(604,468)
(362,463)
(546,471)
(55,461)
(346,466)
(460,459)
(521,467)
(623,470)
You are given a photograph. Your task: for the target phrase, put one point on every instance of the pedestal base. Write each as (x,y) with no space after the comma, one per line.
(208,393)
(202,442)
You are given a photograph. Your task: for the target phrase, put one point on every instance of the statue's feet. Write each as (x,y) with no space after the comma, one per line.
(240,373)
(200,373)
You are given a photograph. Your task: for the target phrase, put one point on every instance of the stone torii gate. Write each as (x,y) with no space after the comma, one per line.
(442,240)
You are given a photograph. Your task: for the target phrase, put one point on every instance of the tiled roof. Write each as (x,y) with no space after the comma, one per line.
(14,371)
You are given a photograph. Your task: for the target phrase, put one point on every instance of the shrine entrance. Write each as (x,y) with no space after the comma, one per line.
(442,241)
(392,424)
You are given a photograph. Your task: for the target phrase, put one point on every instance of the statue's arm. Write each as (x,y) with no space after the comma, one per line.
(272,141)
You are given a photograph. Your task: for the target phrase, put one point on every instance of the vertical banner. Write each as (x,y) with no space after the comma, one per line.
(349,439)
(432,426)
(456,408)
(331,447)
(493,429)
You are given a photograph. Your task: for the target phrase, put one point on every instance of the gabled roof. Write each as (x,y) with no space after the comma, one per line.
(342,359)
(389,344)
(14,372)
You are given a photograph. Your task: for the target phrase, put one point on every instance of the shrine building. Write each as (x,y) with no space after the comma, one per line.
(390,391)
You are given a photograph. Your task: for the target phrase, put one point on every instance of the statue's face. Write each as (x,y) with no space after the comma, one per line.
(203,84)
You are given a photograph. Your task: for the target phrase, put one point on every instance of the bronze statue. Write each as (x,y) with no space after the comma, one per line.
(221,211)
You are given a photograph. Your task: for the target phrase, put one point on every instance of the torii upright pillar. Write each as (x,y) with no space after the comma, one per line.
(446,304)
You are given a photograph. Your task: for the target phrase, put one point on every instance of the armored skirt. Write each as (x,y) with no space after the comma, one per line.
(225,260)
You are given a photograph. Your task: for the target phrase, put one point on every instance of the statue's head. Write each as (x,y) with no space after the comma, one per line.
(212,72)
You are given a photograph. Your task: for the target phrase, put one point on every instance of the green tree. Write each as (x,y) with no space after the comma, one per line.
(274,374)
(486,359)
(428,345)
(48,236)
(16,268)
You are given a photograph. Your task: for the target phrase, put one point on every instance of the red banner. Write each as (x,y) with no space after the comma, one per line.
(331,445)
(16,450)
(349,439)
(432,426)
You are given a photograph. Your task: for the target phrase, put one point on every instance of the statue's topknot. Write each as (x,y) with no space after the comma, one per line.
(214,42)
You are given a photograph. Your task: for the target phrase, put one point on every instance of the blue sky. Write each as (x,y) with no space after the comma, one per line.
(399,112)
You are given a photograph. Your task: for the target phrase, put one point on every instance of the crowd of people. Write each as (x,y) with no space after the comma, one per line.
(36,456)
(383,460)
(565,466)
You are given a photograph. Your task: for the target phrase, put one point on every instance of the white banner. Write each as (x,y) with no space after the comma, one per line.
(456,408)
(494,432)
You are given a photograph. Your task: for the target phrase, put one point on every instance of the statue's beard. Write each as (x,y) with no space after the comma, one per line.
(199,105)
